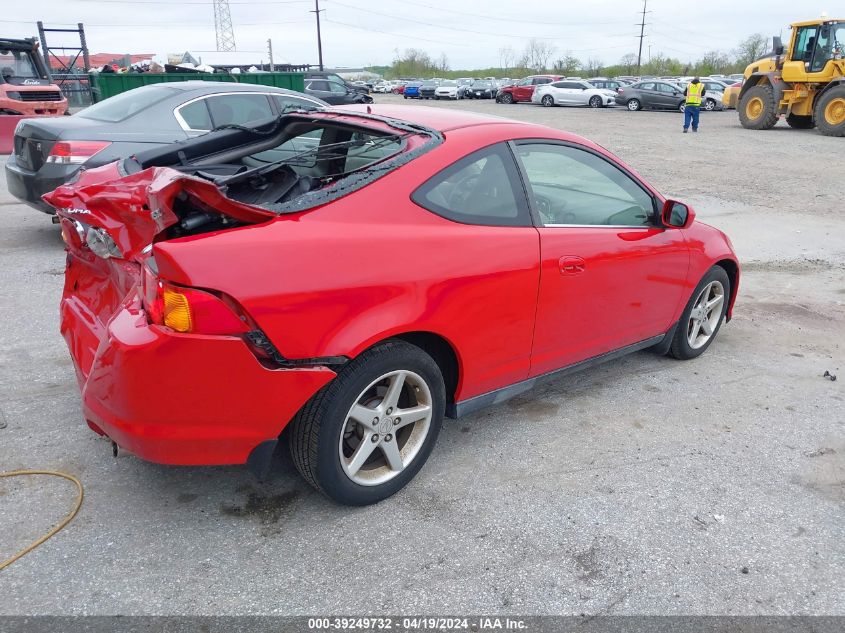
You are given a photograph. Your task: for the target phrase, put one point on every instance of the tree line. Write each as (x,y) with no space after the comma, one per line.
(540,56)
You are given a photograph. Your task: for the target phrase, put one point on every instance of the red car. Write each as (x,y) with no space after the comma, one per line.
(356,274)
(523,90)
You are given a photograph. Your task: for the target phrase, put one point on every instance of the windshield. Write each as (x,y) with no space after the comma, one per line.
(18,65)
(449,83)
(126,104)
(429,84)
(481,84)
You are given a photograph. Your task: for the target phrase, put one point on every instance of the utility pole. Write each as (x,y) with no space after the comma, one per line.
(642,35)
(270,51)
(316,12)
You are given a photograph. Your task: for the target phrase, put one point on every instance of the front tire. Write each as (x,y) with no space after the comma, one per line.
(703,315)
(830,112)
(548,101)
(757,108)
(507,98)
(595,102)
(710,105)
(367,433)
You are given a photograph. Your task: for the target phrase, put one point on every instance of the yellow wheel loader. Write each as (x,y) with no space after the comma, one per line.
(805,82)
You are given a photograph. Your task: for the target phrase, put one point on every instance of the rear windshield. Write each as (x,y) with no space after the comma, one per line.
(127,104)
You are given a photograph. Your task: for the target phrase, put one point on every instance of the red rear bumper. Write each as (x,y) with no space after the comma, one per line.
(179,398)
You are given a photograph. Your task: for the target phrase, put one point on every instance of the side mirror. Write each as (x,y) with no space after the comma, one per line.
(777,45)
(677,214)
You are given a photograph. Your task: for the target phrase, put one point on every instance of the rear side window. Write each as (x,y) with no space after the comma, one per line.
(482,188)
(287,103)
(126,104)
(239,109)
(196,116)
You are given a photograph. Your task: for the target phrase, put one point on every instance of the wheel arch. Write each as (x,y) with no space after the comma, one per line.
(839,81)
(731,267)
(764,79)
(435,345)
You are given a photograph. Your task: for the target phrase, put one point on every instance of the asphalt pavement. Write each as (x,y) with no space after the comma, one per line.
(643,486)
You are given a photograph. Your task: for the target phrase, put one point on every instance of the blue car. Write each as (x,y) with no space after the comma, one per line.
(412,90)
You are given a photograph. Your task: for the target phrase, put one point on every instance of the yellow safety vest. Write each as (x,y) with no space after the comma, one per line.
(694,94)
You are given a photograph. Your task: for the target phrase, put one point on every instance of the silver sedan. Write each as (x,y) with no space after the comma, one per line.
(573,93)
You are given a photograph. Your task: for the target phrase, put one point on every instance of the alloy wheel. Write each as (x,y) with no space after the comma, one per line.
(705,315)
(548,101)
(633,105)
(385,428)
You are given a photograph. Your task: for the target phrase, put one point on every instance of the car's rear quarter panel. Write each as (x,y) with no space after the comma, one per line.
(336,280)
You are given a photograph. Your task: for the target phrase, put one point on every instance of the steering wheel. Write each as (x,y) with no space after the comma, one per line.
(551,214)
(461,191)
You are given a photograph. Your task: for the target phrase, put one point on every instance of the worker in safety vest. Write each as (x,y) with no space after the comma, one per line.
(692,108)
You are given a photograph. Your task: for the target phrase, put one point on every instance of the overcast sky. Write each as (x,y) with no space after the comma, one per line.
(366,32)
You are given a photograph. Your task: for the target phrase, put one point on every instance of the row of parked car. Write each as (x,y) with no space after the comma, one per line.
(551,90)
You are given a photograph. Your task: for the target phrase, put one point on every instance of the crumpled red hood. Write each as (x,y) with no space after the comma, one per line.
(134,209)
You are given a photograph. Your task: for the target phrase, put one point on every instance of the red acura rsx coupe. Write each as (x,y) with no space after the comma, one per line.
(357,274)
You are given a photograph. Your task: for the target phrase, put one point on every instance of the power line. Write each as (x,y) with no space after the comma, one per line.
(161,25)
(188,2)
(402,35)
(442,26)
(508,20)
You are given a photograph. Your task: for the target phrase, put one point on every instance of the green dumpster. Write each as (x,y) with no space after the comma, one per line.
(105,85)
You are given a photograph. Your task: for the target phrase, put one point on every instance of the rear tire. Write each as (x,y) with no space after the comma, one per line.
(327,434)
(757,108)
(830,112)
(702,314)
(800,122)
(634,105)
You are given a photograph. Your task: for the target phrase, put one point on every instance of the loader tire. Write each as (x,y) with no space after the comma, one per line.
(830,112)
(757,108)
(800,122)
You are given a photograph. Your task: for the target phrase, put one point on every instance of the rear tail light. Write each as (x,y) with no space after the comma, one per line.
(189,310)
(75,152)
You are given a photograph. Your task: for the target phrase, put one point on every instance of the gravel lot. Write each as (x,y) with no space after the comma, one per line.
(644,486)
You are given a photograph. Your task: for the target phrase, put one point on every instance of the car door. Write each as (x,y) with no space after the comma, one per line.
(565,95)
(580,96)
(675,96)
(524,89)
(320,88)
(658,96)
(648,95)
(611,276)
